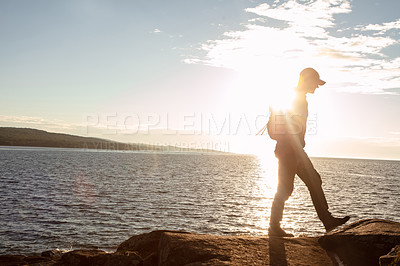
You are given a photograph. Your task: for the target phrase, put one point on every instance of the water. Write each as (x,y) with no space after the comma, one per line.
(70,199)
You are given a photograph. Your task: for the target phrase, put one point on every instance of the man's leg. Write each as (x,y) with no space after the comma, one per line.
(286,172)
(312,179)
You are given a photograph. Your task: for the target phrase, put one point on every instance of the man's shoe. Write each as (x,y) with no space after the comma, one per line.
(335,222)
(279,232)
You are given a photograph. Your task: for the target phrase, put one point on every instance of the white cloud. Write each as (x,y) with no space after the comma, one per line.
(353,63)
(157,31)
(303,17)
(382,28)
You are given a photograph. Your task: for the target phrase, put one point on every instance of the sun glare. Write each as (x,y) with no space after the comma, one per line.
(257,89)
(281,100)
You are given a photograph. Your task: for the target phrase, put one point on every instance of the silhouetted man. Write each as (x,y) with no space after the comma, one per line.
(289,129)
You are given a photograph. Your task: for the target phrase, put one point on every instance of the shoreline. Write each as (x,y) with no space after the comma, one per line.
(366,242)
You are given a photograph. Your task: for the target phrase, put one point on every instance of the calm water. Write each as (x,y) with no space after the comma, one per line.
(60,198)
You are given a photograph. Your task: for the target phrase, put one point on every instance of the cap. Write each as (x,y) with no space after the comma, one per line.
(311,74)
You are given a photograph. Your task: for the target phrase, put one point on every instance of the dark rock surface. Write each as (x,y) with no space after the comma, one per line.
(99,257)
(13,260)
(52,253)
(361,243)
(392,258)
(146,245)
(178,248)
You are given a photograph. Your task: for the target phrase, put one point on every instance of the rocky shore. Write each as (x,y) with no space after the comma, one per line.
(366,242)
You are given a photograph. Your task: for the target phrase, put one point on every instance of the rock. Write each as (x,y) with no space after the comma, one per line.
(363,242)
(12,260)
(52,253)
(121,259)
(392,258)
(80,257)
(100,258)
(178,249)
(38,260)
(146,245)
(197,249)
(8,260)
(181,248)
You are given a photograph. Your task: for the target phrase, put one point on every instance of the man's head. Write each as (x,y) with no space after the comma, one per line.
(309,80)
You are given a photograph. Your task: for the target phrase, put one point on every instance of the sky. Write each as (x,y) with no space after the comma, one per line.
(201,74)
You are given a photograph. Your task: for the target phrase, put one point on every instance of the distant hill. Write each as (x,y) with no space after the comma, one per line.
(11,136)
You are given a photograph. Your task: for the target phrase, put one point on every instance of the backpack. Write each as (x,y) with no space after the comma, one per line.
(281,125)
(277,125)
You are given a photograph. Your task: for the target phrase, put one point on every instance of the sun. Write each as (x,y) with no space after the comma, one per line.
(256,90)
(282,99)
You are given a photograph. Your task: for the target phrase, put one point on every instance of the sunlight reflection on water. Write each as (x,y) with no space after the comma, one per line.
(57,199)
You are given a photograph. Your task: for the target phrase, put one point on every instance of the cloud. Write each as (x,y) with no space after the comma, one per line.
(382,28)
(303,17)
(157,31)
(307,37)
